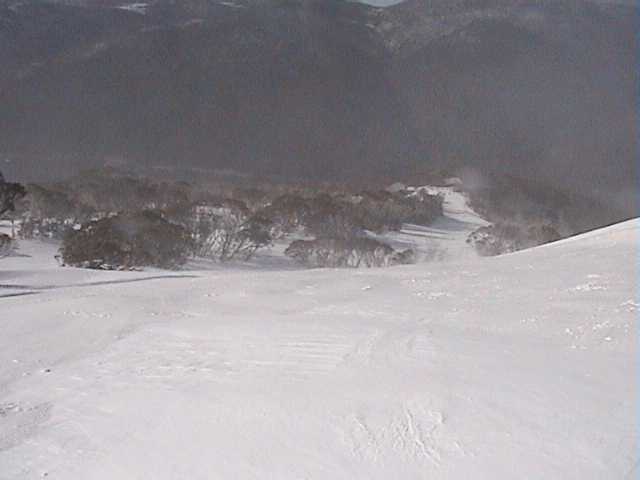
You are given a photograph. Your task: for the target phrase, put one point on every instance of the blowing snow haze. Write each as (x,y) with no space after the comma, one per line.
(323,89)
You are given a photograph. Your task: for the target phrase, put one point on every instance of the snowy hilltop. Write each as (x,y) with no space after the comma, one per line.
(518,366)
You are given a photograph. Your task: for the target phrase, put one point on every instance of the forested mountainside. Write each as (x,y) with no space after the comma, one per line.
(324,89)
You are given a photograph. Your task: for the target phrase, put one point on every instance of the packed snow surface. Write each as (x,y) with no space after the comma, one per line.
(520,366)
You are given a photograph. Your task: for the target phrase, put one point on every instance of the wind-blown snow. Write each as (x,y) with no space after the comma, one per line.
(520,366)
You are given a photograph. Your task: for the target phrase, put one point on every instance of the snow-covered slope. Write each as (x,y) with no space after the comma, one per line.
(521,366)
(446,238)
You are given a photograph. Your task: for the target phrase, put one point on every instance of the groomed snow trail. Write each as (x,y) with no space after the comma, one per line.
(521,366)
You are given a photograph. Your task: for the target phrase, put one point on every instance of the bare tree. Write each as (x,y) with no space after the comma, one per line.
(7,245)
(227,233)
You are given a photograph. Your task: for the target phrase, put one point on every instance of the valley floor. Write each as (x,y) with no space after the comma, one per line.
(520,366)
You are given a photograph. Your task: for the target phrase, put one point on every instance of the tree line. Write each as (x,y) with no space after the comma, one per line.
(113,220)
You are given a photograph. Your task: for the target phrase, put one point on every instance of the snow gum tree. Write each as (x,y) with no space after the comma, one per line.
(229,231)
(9,194)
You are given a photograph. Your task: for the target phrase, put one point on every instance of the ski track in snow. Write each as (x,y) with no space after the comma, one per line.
(521,366)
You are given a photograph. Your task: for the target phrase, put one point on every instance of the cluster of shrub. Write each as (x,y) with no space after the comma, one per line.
(347,252)
(507,199)
(111,220)
(501,238)
(339,226)
(526,213)
(126,240)
(165,239)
